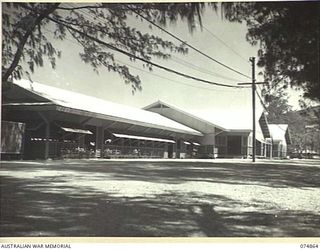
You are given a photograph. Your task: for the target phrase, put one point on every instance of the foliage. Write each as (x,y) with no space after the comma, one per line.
(276,104)
(305,129)
(303,125)
(288,34)
(22,37)
(27,27)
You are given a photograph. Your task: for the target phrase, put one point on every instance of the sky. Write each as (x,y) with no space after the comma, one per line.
(73,74)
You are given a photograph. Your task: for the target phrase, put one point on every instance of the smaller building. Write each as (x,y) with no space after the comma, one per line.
(280,139)
(227,130)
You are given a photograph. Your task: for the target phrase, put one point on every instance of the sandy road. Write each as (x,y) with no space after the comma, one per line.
(160,198)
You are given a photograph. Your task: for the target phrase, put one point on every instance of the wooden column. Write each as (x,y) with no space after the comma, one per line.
(99,142)
(81,140)
(47,145)
(47,135)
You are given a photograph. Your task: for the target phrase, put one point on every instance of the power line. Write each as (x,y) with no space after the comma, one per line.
(265,108)
(146,71)
(142,59)
(169,78)
(130,55)
(275,84)
(192,65)
(224,43)
(259,87)
(263,104)
(200,69)
(184,42)
(176,59)
(65,24)
(159,76)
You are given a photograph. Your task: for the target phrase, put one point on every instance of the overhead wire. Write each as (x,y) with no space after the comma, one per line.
(149,62)
(266,109)
(206,56)
(275,84)
(112,47)
(148,72)
(130,55)
(179,60)
(200,69)
(261,101)
(224,43)
(187,44)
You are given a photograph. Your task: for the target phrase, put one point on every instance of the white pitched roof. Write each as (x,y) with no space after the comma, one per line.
(278,131)
(231,119)
(128,114)
(225,117)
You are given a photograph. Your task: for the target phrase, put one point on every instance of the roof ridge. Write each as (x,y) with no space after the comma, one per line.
(79,101)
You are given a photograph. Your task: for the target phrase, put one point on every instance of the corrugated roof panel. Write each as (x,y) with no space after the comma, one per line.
(78,101)
(223,116)
(278,131)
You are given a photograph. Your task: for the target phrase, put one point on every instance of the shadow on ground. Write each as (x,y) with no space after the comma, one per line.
(32,207)
(277,175)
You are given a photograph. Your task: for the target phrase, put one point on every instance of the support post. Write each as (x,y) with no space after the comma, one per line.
(47,145)
(47,135)
(99,142)
(215,153)
(81,138)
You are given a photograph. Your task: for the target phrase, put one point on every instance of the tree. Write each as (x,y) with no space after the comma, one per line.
(288,34)
(304,128)
(23,37)
(303,125)
(277,105)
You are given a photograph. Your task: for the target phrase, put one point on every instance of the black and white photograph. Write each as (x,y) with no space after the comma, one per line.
(150,119)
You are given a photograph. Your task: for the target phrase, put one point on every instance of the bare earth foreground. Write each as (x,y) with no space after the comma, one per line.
(160,198)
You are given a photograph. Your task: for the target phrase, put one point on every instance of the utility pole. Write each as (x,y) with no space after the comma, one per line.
(253,87)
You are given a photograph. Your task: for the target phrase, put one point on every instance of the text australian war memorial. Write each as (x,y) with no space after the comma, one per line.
(45,122)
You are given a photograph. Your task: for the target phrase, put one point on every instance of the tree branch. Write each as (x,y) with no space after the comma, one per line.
(45,13)
(82,7)
(110,46)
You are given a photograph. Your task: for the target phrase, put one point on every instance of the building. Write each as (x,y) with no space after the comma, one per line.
(227,132)
(280,140)
(62,124)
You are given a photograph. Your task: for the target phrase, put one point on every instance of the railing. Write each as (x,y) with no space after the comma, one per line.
(132,152)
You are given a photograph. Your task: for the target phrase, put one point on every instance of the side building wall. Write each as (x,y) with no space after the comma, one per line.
(279,149)
(234,145)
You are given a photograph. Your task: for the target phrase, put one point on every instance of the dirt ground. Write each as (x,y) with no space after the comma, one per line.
(217,198)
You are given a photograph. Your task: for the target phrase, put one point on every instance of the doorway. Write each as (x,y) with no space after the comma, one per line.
(234,145)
